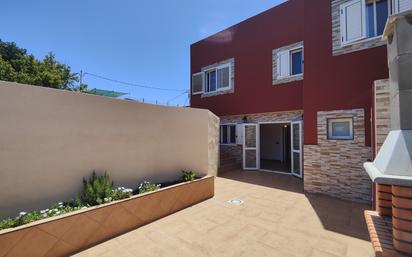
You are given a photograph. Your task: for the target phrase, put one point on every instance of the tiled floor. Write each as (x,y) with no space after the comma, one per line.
(276,219)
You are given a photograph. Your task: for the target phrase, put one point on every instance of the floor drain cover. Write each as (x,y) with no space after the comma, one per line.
(235,202)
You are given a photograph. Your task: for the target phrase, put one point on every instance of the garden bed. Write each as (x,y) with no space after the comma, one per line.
(69,233)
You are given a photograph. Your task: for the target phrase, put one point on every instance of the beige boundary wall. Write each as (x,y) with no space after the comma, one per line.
(50,139)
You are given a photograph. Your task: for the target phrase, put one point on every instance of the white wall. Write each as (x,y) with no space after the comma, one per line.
(50,139)
(271,141)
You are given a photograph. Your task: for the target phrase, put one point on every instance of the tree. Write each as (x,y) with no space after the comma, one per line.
(17,65)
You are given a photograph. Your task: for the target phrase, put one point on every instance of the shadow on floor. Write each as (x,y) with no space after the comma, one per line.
(340,216)
(267,179)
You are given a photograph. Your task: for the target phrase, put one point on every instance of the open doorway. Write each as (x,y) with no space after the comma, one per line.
(275,147)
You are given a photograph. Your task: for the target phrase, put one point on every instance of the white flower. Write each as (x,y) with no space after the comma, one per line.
(57,213)
(43,211)
(60,203)
(84,207)
(45,215)
(22,213)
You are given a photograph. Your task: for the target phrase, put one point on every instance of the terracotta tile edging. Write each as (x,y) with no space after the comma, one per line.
(78,230)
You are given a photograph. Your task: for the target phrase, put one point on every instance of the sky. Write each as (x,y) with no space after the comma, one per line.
(141,42)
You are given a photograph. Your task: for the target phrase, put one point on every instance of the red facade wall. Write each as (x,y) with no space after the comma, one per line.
(335,82)
(330,82)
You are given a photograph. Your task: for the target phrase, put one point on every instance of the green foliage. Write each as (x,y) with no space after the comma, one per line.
(17,65)
(24,218)
(147,187)
(188,175)
(121,193)
(97,190)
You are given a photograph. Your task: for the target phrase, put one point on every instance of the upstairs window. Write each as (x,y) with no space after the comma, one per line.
(228,134)
(296,64)
(197,83)
(398,6)
(290,63)
(212,80)
(360,19)
(377,12)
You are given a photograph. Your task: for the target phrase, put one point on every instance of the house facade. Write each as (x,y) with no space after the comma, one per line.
(293,89)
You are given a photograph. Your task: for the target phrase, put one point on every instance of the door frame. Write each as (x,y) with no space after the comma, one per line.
(256,148)
(300,151)
(274,171)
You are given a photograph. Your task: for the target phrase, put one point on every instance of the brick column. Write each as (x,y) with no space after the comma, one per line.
(384,199)
(402,218)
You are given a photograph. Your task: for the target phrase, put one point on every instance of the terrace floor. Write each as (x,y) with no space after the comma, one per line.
(276,219)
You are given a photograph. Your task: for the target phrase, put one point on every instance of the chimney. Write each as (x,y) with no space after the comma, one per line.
(393,163)
(392,168)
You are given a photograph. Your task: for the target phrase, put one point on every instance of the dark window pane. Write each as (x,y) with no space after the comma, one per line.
(370,19)
(232,134)
(296,62)
(381,15)
(212,81)
(224,130)
(341,129)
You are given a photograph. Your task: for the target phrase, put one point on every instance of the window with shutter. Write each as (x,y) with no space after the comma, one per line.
(223,77)
(197,83)
(405,5)
(283,64)
(352,21)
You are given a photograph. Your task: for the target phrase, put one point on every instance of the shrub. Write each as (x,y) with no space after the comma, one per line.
(121,193)
(188,175)
(147,187)
(27,217)
(97,190)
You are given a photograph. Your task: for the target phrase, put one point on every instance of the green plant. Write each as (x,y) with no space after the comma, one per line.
(121,193)
(147,187)
(27,217)
(97,190)
(188,175)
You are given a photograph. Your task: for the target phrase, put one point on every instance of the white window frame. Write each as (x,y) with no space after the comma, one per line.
(223,66)
(393,8)
(289,52)
(342,14)
(375,19)
(203,83)
(228,133)
(216,68)
(330,121)
(295,49)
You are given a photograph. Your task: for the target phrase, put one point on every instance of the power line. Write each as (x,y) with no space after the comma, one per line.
(174,98)
(132,84)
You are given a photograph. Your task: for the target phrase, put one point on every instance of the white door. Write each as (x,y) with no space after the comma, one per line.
(250,146)
(297,156)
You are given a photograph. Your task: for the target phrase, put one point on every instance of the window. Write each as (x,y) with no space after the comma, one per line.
(340,128)
(398,6)
(197,83)
(377,12)
(228,134)
(290,63)
(296,64)
(212,80)
(361,19)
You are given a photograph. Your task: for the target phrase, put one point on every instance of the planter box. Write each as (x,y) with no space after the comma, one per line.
(73,232)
